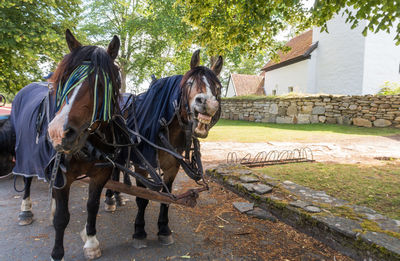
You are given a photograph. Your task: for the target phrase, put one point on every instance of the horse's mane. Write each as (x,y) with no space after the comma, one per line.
(100,62)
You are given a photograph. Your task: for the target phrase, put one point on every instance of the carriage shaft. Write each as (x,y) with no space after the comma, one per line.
(187,199)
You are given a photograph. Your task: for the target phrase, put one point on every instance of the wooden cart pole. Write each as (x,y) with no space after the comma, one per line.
(189,198)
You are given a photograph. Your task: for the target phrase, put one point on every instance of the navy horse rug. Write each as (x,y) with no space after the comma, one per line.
(32,110)
(157,104)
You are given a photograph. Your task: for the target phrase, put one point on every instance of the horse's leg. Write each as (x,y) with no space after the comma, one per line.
(25,217)
(170,168)
(121,201)
(164,232)
(61,220)
(110,204)
(52,209)
(139,237)
(98,179)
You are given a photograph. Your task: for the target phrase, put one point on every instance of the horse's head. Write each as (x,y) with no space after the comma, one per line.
(87,86)
(202,94)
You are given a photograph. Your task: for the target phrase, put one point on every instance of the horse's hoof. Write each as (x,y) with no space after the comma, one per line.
(92,253)
(25,218)
(121,201)
(139,243)
(110,208)
(165,240)
(110,204)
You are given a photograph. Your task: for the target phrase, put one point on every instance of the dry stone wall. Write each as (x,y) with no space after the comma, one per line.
(365,111)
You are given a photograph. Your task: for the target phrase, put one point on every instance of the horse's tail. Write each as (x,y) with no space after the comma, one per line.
(7,147)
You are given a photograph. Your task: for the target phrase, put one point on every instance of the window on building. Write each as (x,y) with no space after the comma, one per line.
(274,92)
(290,89)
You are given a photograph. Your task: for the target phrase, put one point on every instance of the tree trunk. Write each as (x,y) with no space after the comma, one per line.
(123,80)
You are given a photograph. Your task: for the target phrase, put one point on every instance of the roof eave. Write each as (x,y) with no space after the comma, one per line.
(305,56)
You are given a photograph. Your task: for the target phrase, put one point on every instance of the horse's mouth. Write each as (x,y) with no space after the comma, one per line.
(202,127)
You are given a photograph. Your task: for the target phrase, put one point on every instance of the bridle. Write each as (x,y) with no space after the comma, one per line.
(191,162)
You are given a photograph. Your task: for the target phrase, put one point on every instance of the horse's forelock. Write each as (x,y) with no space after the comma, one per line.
(101,63)
(196,74)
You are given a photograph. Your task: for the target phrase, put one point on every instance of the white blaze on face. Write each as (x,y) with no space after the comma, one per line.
(209,92)
(56,126)
(212,104)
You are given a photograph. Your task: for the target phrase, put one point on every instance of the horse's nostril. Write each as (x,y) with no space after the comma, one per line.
(70,133)
(200,100)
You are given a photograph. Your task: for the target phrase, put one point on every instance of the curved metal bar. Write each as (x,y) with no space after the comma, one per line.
(246,158)
(273,155)
(231,157)
(283,154)
(259,157)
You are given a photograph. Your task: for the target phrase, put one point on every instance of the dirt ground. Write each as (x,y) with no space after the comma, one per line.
(353,150)
(247,238)
(213,230)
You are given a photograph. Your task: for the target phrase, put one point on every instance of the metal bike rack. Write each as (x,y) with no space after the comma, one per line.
(272,157)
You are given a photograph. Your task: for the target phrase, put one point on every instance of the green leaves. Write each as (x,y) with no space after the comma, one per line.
(32,33)
(251,26)
(223,25)
(152,36)
(379,15)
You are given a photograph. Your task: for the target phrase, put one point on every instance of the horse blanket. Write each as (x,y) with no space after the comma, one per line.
(158,103)
(33,151)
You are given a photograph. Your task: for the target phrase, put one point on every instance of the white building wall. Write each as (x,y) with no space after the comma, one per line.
(381,61)
(294,75)
(340,60)
(311,71)
(231,90)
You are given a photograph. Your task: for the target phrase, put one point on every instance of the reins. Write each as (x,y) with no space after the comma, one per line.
(190,162)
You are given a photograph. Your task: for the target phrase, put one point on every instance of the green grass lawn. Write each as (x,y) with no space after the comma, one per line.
(244,131)
(374,186)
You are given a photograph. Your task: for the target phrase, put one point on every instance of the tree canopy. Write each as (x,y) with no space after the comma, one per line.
(159,36)
(251,26)
(151,34)
(32,33)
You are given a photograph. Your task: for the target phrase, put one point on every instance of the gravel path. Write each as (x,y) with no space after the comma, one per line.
(345,150)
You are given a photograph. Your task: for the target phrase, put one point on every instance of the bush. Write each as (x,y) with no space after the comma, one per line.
(389,88)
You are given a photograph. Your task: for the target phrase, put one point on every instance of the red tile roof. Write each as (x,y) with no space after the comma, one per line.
(301,47)
(248,84)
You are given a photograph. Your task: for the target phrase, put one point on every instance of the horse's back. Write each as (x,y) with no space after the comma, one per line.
(157,104)
(33,151)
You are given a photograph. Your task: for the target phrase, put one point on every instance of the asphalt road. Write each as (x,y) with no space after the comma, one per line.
(211,231)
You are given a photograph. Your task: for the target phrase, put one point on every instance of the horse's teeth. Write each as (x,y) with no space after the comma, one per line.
(205,119)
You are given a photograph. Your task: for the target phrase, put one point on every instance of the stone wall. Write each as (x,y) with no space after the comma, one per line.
(366,111)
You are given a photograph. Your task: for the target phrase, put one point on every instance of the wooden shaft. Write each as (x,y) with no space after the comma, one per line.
(189,201)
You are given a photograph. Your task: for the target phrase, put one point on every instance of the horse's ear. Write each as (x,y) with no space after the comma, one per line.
(195,59)
(217,66)
(113,47)
(71,41)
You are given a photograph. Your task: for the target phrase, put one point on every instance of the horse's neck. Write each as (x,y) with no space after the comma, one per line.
(176,135)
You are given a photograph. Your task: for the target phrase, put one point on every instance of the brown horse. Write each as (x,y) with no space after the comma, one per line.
(85,96)
(200,105)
